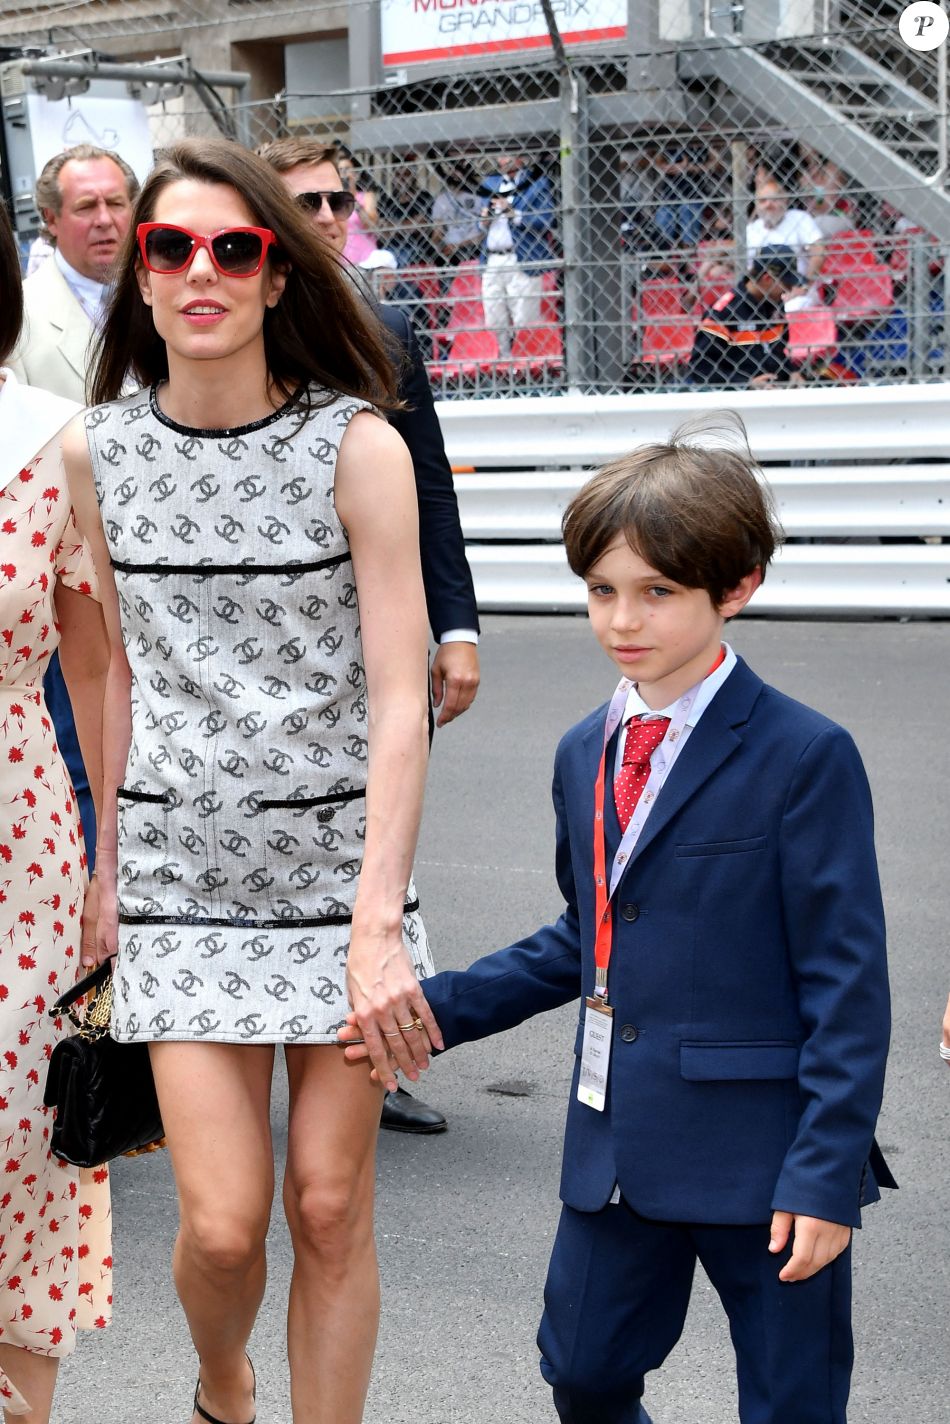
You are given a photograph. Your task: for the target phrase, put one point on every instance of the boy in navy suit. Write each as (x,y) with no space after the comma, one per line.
(724,930)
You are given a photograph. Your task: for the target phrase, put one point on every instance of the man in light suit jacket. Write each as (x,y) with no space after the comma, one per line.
(724,927)
(85,198)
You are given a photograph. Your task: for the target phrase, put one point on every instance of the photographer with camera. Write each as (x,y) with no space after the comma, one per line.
(516,215)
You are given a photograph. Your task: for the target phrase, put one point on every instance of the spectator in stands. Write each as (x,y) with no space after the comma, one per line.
(778,225)
(405,218)
(682,192)
(456,226)
(636,184)
(361,225)
(781,161)
(516,217)
(826,202)
(743,340)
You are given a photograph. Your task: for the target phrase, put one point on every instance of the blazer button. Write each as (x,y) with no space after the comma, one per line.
(629,1034)
(630,913)
(325,814)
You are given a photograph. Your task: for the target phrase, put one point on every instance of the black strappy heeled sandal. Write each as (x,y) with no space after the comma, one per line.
(210,1418)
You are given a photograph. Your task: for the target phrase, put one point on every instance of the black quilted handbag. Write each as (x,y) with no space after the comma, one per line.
(103,1091)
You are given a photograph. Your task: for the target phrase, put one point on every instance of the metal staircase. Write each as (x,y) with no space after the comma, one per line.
(864,101)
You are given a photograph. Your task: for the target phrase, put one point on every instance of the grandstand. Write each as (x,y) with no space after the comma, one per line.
(650,130)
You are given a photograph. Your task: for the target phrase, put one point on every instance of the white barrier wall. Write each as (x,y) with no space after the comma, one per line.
(518,462)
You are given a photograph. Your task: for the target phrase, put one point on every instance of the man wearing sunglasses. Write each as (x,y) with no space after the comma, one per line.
(311,173)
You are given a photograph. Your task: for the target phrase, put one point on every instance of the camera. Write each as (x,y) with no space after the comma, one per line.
(498,197)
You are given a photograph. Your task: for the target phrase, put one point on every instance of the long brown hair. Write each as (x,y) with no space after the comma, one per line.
(11,289)
(320,333)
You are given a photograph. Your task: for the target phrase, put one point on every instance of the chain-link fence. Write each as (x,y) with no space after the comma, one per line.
(600,221)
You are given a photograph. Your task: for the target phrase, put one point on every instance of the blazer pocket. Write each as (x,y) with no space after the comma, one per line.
(723,847)
(725,1062)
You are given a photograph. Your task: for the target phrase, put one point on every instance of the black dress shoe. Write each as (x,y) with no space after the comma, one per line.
(404,1113)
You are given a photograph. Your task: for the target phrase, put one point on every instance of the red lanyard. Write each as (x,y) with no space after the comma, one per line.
(604,928)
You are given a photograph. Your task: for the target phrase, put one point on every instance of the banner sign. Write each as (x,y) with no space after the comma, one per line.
(418,31)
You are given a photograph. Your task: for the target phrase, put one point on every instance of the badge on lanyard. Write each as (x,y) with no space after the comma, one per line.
(595,1058)
(598,1018)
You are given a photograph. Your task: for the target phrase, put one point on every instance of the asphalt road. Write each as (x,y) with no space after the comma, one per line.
(466,1219)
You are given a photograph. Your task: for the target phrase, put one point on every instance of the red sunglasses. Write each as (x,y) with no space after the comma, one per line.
(235,251)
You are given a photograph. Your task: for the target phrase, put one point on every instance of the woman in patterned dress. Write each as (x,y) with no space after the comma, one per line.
(55,1249)
(265,747)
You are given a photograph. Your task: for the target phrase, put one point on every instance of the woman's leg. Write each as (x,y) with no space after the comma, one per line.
(215,1101)
(328,1197)
(34,1376)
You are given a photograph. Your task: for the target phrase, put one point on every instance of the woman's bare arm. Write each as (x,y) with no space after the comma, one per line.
(376,501)
(116,704)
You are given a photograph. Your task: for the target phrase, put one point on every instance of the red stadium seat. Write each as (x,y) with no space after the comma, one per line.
(864,294)
(848,252)
(538,351)
(472,353)
(667,332)
(662,296)
(812,334)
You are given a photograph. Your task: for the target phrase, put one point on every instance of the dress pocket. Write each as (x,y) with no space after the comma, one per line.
(145,870)
(313,851)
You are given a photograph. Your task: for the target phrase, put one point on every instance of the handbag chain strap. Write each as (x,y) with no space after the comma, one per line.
(95,1022)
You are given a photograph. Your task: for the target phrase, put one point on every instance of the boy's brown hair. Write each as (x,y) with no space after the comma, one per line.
(700,513)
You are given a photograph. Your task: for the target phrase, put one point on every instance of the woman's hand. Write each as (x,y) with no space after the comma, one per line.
(88,923)
(107,925)
(354,1045)
(389,1006)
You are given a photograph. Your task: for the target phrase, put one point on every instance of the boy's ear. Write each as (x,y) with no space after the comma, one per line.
(737,598)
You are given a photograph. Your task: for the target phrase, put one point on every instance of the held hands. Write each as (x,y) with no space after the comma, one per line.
(455,679)
(354,1046)
(815,1244)
(389,1009)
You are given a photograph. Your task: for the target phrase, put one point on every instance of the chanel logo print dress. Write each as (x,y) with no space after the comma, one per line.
(241,815)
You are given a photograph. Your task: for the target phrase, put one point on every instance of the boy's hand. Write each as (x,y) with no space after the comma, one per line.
(816,1243)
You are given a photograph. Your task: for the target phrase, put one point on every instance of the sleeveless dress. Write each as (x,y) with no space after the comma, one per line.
(241,814)
(55,1219)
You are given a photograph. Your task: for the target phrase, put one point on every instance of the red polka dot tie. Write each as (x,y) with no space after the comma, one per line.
(643,738)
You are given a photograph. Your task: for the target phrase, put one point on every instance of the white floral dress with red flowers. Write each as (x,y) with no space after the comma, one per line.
(55,1222)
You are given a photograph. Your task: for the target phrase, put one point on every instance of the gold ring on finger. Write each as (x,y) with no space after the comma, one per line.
(404,1028)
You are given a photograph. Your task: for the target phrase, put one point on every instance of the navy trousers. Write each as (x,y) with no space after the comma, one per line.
(616,1298)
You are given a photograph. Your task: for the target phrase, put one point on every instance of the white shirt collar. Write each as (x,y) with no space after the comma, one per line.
(89,294)
(636,707)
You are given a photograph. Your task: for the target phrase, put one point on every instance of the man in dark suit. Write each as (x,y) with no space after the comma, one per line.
(310,171)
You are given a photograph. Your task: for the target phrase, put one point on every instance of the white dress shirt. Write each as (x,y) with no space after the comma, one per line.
(89,294)
(636,707)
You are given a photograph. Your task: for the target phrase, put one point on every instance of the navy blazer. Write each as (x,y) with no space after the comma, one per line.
(748,977)
(450,593)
